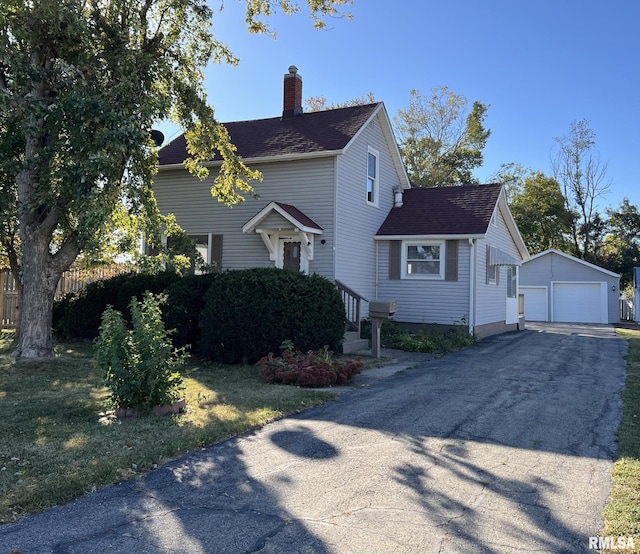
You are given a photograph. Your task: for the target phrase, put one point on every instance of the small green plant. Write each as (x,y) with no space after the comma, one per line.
(141,366)
(318,368)
(437,341)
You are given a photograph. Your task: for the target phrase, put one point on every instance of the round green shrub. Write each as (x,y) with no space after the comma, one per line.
(249,313)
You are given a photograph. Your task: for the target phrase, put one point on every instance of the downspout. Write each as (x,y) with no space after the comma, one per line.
(334,239)
(472,285)
(376,283)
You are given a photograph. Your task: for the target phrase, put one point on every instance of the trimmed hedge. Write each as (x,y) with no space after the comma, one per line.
(77,315)
(181,313)
(249,313)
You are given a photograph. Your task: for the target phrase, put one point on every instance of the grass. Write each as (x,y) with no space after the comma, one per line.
(59,441)
(622,514)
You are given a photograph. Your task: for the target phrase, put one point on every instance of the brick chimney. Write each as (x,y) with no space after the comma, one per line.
(292,93)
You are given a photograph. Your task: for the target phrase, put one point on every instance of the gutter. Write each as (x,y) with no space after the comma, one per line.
(262,159)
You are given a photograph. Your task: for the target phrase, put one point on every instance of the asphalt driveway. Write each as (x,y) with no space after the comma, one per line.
(504,447)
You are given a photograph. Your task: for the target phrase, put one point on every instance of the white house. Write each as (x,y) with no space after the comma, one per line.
(331,180)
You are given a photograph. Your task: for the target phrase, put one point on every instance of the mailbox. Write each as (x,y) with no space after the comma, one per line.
(382,310)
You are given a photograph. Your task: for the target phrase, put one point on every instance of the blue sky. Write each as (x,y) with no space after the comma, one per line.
(539,65)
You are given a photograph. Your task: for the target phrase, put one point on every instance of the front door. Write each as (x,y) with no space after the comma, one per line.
(291,256)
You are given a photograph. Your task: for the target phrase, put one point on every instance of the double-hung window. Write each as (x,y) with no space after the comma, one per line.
(423,260)
(372,176)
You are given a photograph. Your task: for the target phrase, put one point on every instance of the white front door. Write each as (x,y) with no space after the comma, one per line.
(512,295)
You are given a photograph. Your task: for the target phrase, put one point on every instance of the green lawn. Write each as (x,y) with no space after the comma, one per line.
(622,514)
(59,441)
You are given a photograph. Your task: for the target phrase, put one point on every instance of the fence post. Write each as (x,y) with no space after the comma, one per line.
(2,299)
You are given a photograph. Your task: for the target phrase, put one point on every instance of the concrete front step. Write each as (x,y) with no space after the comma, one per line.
(353,344)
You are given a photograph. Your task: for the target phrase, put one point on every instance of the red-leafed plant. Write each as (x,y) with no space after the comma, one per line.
(318,368)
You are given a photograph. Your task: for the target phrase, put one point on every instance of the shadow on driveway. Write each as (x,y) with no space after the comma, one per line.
(506,446)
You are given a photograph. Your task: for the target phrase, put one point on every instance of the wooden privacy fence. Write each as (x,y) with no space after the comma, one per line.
(71,281)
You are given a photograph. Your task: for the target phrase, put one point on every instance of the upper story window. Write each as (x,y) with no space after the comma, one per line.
(423,260)
(372,177)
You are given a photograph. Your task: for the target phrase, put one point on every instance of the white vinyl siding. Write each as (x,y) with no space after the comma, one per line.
(427,301)
(307,184)
(491,297)
(357,221)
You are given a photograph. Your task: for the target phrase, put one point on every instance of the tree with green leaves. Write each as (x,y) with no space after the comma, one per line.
(539,210)
(441,143)
(582,176)
(319,103)
(620,250)
(82,82)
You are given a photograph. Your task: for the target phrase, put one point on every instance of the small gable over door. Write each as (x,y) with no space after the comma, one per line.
(288,234)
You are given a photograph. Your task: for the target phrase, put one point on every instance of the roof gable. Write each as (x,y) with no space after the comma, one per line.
(307,133)
(552,251)
(295,217)
(445,211)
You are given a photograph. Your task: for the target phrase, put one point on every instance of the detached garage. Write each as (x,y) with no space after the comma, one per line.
(558,287)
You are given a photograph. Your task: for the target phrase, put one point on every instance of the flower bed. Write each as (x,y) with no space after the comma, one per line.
(312,369)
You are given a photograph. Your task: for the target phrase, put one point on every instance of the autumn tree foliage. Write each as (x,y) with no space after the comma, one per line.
(440,140)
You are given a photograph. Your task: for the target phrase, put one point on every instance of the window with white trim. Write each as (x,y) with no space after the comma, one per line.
(209,248)
(493,270)
(423,260)
(492,274)
(372,176)
(512,281)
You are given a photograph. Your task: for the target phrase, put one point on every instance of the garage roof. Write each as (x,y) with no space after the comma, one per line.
(573,258)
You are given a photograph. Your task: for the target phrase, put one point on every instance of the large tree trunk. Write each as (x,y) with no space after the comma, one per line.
(40,278)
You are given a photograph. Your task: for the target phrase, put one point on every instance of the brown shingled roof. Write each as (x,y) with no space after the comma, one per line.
(460,210)
(309,132)
(299,215)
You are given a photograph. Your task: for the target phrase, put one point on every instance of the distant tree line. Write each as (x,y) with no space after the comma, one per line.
(442,143)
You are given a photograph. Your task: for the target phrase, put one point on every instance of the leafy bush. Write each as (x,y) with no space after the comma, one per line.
(140,365)
(313,369)
(249,313)
(185,302)
(77,315)
(433,340)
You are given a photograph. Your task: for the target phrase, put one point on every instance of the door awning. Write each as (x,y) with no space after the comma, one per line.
(293,219)
(498,257)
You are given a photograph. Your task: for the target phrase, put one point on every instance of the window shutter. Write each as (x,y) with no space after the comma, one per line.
(395,258)
(451,261)
(216,251)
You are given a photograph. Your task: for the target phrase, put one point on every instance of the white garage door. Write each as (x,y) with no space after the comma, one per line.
(535,303)
(579,302)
